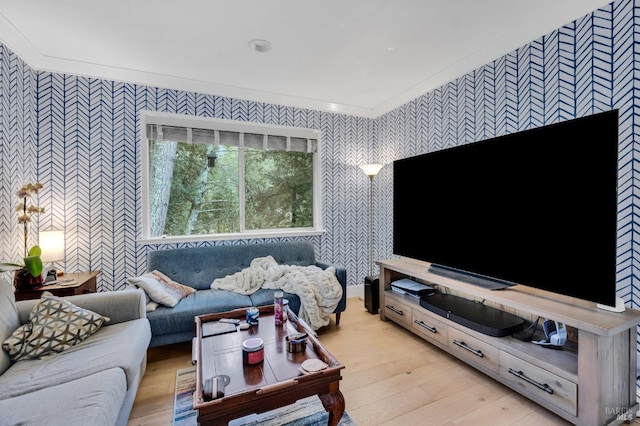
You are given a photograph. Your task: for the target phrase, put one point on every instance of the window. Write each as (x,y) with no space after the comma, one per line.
(222,179)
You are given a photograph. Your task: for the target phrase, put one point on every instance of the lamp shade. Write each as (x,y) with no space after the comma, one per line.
(52,245)
(371,169)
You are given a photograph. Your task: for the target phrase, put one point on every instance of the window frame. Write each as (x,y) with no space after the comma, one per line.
(171,119)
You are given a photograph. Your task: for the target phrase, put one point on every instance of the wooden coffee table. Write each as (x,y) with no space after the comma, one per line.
(275,382)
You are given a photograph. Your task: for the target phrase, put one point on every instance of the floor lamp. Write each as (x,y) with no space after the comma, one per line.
(371,170)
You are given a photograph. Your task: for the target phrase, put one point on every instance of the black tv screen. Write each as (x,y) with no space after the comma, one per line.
(537,207)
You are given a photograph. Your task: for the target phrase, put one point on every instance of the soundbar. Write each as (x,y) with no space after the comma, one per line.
(474,315)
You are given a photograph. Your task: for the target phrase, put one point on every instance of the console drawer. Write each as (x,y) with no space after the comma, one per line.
(534,380)
(396,310)
(427,326)
(473,350)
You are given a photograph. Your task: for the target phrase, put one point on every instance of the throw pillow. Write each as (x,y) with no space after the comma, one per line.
(150,305)
(54,325)
(161,289)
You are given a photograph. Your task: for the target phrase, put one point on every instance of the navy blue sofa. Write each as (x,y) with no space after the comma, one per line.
(197,267)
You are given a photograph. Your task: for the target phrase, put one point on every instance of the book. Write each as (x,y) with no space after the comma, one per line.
(213,328)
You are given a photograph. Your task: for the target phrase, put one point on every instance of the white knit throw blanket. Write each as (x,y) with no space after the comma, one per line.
(318,289)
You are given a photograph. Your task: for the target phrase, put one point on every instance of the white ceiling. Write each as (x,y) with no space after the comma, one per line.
(360,57)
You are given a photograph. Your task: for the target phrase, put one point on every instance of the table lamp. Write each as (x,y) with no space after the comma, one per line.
(52,245)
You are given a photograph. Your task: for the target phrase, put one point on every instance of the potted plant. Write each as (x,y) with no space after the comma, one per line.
(29,274)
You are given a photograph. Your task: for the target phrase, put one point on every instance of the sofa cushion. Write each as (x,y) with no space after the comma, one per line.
(54,325)
(181,317)
(92,400)
(161,289)
(9,321)
(197,267)
(122,345)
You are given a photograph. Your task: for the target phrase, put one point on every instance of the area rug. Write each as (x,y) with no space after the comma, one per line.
(305,412)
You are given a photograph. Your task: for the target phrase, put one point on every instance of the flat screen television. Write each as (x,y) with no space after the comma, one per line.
(536,208)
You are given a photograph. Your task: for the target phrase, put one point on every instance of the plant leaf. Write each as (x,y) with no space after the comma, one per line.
(33,264)
(35,251)
(5,267)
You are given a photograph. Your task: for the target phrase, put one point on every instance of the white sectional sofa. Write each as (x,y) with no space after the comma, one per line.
(93,382)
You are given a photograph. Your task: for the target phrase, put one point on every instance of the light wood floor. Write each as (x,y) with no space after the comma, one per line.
(391,377)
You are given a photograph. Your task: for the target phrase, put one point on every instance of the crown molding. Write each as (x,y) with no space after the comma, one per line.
(19,45)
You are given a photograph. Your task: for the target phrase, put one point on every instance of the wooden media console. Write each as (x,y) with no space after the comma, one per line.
(591,381)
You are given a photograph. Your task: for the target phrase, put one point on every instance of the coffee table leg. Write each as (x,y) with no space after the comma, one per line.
(333,403)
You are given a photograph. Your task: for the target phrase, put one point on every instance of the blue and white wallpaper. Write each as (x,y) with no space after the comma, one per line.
(588,66)
(80,137)
(18,147)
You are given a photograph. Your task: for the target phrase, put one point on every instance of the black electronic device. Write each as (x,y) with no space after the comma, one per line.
(372,294)
(536,207)
(52,275)
(474,315)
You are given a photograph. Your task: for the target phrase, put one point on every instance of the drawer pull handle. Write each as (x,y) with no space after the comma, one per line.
(425,326)
(463,345)
(397,311)
(545,387)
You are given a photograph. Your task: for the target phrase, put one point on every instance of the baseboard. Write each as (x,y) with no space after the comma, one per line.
(355,291)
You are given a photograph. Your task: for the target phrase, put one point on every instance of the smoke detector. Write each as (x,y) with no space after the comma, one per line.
(259,45)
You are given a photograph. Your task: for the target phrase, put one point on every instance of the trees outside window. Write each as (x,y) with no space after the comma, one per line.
(217,183)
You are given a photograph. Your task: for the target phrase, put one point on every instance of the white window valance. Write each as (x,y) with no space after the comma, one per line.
(263,141)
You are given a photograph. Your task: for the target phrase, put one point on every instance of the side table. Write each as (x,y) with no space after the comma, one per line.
(81,283)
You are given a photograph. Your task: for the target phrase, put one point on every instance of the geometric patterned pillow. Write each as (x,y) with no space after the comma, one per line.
(161,289)
(54,325)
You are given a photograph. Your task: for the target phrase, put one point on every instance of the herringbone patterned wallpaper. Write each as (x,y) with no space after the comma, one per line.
(18,148)
(89,145)
(81,138)
(582,68)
